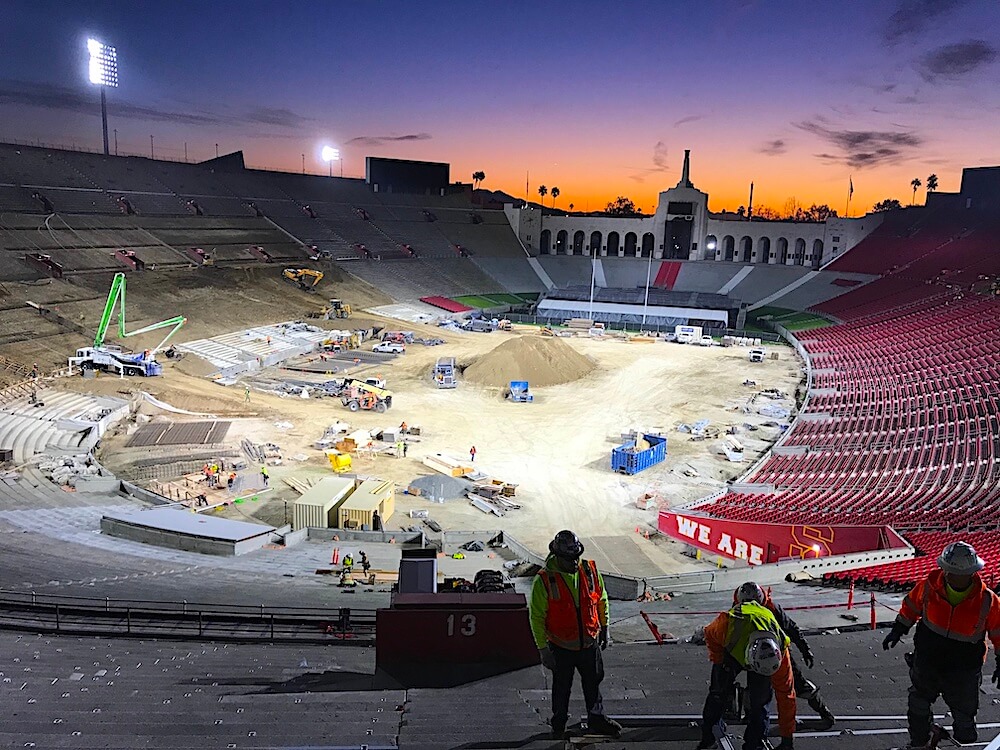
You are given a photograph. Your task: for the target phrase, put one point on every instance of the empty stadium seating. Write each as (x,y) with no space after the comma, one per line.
(172,206)
(902,426)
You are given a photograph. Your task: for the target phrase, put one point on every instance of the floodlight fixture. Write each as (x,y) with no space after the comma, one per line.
(710,245)
(103,63)
(104,73)
(330,155)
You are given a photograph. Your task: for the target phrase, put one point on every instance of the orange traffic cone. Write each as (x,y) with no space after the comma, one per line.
(335,557)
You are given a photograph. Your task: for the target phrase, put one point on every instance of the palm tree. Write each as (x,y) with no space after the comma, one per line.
(915,183)
(932,183)
(555,194)
(543,191)
(478,177)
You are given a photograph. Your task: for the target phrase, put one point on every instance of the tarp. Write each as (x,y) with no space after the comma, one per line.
(760,543)
(167,407)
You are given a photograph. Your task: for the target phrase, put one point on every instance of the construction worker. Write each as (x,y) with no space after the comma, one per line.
(232,480)
(472,454)
(955,612)
(752,592)
(264,475)
(749,638)
(568,612)
(365,565)
(403,429)
(406,447)
(348,561)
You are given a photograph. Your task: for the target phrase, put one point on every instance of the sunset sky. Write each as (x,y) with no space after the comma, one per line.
(598,98)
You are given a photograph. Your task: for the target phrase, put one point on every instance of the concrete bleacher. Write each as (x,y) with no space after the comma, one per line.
(89,692)
(62,422)
(163,195)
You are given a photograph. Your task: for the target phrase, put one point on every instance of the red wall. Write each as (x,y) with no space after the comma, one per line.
(760,543)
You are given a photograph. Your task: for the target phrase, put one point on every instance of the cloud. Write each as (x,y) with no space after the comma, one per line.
(379,140)
(277,116)
(60,98)
(956,60)
(689,118)
(863,148)
(659,164)
(913,16)
(774,148)
(660,156)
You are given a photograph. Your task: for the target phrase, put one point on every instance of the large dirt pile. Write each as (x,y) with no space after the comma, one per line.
(540,361)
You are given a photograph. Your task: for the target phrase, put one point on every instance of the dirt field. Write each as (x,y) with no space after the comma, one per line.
(556,449)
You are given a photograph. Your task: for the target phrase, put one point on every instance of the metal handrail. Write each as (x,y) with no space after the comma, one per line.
(91,616)
(13,597)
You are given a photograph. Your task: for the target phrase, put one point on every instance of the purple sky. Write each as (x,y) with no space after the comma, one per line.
(597,98)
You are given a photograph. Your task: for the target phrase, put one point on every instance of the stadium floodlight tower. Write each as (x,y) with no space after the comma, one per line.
(330,155)
(103,73)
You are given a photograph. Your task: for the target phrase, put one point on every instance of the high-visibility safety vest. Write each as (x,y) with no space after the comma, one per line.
(747,622)
(567,624)
(970,621)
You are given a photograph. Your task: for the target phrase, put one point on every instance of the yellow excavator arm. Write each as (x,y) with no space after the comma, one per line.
(304,277)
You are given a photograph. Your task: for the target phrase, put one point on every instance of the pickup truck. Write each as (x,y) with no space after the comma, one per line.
(389,347)
(757,355)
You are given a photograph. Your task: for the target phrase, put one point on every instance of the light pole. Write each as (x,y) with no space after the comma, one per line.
(103,71)
(330,155)
(649,271)
(593,277)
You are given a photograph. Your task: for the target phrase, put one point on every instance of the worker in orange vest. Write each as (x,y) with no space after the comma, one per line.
(749,638)
(753,592)
(568,612)
(955,612)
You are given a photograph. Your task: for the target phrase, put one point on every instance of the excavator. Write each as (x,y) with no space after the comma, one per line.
(359,395)
(305,279)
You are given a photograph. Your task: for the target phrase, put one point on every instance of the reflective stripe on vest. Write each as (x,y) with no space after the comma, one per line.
(573,624)
(979,629)
(978,634)
(745,621)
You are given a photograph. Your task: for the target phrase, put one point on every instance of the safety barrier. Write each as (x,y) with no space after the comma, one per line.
(184,620)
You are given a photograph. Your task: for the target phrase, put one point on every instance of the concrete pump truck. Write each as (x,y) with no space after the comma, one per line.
(113,358)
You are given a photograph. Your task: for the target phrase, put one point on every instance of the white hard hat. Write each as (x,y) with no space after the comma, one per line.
(764,655)
(961,559)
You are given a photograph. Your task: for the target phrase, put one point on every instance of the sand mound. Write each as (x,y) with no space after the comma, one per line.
(540,361)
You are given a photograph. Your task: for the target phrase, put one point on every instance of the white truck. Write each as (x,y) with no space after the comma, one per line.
(687,334)
(757,355)
(389,347)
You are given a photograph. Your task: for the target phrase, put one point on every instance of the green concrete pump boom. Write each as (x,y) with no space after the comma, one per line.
(117,297)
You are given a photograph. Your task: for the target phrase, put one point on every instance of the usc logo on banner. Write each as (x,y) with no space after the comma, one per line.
(811,541)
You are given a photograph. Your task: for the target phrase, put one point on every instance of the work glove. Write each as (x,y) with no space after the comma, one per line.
(995,679)
(894,637)
(548,658)
(602,639)
(807,655)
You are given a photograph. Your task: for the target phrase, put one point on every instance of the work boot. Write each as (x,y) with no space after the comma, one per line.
(603,725)
(558,731)
(826,717)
